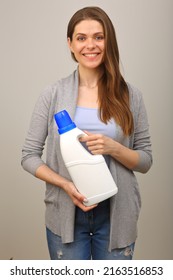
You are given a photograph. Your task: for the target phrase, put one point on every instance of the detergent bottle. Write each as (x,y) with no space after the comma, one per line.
(89,173)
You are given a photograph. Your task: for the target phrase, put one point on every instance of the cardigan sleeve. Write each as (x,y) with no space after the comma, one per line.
(37,133)
(141,136)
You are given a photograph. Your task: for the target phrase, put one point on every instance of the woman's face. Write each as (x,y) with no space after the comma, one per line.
(88,43)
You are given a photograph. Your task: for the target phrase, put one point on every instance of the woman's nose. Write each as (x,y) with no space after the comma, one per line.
(91,43)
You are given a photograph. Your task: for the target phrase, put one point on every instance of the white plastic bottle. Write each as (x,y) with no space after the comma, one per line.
(89,173)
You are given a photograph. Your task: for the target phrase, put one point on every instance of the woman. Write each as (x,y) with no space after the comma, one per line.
(113,115)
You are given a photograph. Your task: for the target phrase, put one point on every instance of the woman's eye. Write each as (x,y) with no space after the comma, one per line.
(99,38)
(81,38)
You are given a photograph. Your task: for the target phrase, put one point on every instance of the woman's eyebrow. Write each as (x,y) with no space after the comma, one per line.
(83,34)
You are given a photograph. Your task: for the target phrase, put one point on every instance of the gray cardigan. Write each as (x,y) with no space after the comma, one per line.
(60,211)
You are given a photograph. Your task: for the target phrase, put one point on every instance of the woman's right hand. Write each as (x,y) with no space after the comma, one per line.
(77,197)
(48,175)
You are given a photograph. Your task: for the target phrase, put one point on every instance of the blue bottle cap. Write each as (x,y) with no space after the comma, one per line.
(64,122)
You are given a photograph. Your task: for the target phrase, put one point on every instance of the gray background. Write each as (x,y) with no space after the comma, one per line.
(33,55)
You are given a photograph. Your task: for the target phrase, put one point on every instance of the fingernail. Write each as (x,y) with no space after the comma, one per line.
(85,200)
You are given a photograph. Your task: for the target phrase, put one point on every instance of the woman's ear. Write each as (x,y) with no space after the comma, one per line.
(69,44)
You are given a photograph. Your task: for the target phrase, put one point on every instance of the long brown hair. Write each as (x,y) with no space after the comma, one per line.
(113,94)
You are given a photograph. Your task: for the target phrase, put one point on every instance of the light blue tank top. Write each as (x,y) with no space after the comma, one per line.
(88,119)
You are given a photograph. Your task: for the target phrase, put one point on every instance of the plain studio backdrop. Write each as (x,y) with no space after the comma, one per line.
(34,54)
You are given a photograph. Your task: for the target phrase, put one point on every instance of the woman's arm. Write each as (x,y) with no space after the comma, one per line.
(46,174)
(139,156)
(100,144)
(33,149)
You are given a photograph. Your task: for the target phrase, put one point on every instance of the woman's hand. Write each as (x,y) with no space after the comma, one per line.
(48,175)
(76,197)
(99,144)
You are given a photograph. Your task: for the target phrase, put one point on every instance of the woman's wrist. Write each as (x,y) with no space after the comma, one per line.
(127,157)
(46,174)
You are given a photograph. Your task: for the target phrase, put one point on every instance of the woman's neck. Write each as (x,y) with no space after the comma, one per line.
(89,77)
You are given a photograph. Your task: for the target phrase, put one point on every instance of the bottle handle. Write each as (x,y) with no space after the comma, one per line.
(82,144)
(84,147)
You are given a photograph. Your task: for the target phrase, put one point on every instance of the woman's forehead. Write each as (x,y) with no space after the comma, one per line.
(88,26)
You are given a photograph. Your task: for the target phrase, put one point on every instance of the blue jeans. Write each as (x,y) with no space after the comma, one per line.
(91,238)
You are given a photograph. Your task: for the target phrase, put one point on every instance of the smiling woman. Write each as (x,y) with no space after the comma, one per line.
(87,44)
(98,98)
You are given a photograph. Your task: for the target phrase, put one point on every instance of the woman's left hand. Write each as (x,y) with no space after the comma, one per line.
(98,144)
